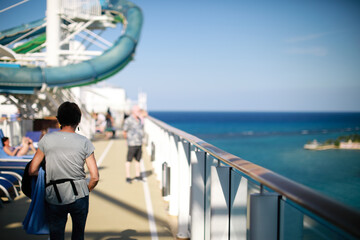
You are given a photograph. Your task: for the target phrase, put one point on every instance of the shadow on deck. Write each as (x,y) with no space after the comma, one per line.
(118,210)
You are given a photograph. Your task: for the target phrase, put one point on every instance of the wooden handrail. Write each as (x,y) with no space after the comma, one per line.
(342,216)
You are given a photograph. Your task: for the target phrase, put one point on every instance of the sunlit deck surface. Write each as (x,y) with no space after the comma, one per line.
(118,210)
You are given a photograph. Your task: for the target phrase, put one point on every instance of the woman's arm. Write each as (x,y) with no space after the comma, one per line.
(36,162)
(93,170)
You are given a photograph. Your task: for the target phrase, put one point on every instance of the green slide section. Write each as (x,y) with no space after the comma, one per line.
(32,44)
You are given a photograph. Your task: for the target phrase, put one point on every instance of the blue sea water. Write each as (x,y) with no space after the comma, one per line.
(276,140)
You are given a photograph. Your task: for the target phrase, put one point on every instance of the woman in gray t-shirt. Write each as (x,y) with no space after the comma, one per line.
(67,190)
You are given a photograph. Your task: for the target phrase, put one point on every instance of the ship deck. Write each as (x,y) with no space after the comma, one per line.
(118,210)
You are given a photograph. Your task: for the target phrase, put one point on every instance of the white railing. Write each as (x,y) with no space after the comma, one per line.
(81,8)
(216,195)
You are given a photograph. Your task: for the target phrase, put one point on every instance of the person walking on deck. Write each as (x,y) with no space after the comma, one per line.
(109,131)
(67,190)
(133,131)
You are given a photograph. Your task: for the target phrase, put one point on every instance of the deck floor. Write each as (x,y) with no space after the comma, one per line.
(118,210)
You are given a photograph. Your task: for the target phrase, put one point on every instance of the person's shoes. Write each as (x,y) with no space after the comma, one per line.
(128,180)
(139,178)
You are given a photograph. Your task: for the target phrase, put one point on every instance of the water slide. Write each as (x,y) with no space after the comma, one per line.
(23,80)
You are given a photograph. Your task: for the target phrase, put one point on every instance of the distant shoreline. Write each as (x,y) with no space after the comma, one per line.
(349,145)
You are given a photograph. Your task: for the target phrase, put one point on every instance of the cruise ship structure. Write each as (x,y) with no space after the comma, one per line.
(212,193)
(41,61)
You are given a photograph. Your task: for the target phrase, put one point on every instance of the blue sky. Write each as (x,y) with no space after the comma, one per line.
(241,55)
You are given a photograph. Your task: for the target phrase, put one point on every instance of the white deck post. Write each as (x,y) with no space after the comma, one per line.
(238,210)
(264,209)
(165,169)
(198,195)
(174,176)
(184,189)
(220,199)
(164,152)
(53,32)
(210,161)
(159,153)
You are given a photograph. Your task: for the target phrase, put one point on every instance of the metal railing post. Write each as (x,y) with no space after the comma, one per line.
(184,189)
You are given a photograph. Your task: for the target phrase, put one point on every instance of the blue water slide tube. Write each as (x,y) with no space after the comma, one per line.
(25,79)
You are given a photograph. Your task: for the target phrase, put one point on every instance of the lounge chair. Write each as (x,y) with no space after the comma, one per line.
(10,177)
(13,166)
(53,130)
(7,189)
(11,172)
(34,136)
(10,184)
(4,155)
(13,177)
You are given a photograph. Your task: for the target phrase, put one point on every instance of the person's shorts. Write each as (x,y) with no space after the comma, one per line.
(109,129)
(134,152)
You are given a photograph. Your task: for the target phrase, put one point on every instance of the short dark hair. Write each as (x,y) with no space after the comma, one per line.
(69,114)
(3,140)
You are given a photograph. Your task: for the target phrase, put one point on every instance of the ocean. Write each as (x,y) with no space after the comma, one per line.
(275,140)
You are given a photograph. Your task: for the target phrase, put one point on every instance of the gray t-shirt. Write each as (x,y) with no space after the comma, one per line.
(135,131)
(65,155)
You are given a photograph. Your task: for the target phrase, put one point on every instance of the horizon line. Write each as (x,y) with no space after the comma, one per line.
(261,111)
